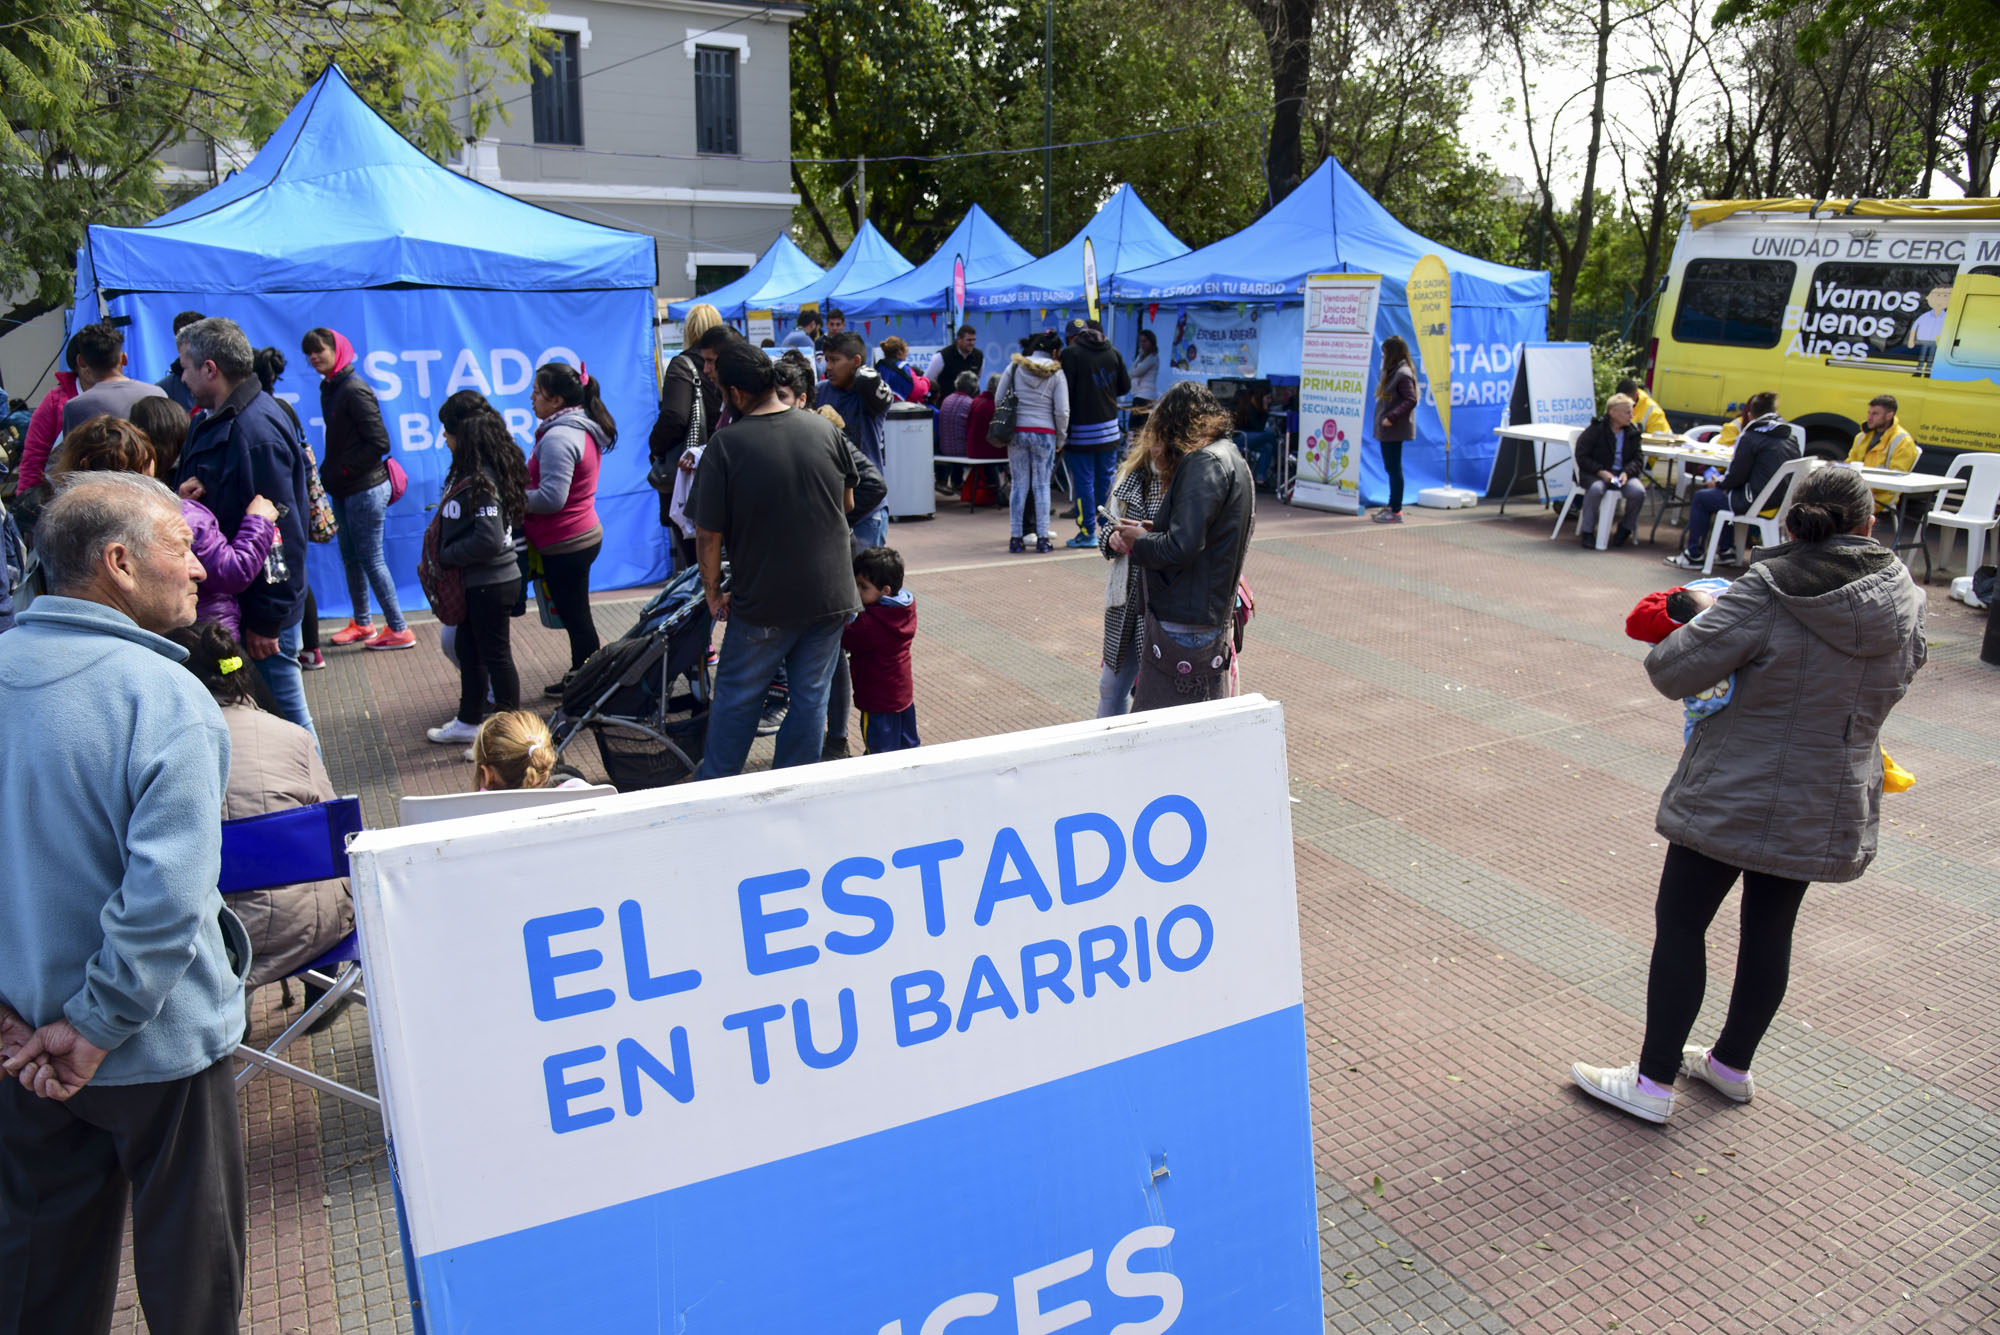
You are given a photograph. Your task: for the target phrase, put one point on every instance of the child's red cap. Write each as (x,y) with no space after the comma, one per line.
(1649,620)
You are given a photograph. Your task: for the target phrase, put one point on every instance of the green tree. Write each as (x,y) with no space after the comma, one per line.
(95,91)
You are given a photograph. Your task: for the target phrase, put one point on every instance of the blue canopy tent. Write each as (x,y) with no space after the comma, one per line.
(1124,234)
(1331,225)
(869,261)
(777,271)
(926,289)
(440,283)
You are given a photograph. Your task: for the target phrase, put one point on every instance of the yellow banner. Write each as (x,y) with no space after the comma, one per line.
(1429,293)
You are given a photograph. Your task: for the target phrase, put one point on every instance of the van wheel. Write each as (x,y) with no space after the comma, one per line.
(1827,447)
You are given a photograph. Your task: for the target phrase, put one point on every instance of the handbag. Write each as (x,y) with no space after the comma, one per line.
(320,523)
(443,585)
(663,473)
(1000,434)
(538,579)
(399,481)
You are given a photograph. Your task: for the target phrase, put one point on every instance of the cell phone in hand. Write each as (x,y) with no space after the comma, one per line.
(1105,516)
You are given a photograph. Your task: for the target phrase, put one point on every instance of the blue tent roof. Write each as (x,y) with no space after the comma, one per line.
(978,239)
(1328,225)
(337,200)
(783,268)
(1124,235)
(868,262)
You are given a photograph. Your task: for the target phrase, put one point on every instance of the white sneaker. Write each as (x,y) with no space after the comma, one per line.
(1620,1089)
(1682,561)
(455,733)
(1695,1061)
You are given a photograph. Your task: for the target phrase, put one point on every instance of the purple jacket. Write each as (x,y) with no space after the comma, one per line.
(231,566)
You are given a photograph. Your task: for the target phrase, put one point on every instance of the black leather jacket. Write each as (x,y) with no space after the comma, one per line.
(1203,526)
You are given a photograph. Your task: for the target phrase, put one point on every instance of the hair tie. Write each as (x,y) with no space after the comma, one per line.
(228,665)
(534,745)
(582,373)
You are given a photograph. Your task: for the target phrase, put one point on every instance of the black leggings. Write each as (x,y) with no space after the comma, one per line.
(1392,461)
(569,588)
(1692,887)
(309,628)
(486,652)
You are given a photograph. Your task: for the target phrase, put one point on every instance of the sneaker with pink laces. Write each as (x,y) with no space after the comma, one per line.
(392,639)
(1699,1062)
(354,632)
(1620,1088)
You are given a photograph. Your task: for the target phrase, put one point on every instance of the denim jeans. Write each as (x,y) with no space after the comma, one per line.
(872,531)
(1030,460)
(281,672)
(360,518)
(751,657)
(1701,518)
(1114,686)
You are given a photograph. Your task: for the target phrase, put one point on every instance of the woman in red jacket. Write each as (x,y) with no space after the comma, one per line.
(1396,402)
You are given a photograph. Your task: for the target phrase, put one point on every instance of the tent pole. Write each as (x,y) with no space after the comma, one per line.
(1048,120)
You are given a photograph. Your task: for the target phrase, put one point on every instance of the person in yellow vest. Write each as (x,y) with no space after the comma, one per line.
(1726,438)
(1650,416)
(1883,443)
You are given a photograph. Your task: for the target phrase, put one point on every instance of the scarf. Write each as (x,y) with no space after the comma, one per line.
(343,353)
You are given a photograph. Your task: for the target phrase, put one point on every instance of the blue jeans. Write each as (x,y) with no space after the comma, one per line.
(1114,686)
(1261,449)
(1701,518)
(281,672)
(1090,475)
(872,531)
(360,518)
(751,657)
(1030,460)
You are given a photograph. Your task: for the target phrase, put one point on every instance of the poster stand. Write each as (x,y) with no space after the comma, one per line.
(1552,387)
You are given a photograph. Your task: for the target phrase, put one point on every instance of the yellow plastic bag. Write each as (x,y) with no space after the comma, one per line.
(1895,779)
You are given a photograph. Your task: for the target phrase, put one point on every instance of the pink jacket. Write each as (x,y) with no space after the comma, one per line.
(231,565)
(562,479)
(43,428)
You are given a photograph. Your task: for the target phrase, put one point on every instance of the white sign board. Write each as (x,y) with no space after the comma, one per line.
(1008,1029)
(1553,387)
(1335,398)
(760,326)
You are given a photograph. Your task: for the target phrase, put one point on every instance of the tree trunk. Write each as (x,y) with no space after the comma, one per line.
(1586,203)
(30,309)
(1287,26)
(833,247)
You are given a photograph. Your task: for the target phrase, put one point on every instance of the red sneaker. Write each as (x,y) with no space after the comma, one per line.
(352,633)
(392,639)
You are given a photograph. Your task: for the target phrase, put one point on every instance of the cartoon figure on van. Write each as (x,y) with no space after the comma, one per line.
(1928,328)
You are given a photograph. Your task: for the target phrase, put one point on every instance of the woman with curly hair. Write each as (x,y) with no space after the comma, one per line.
(484,502)
(1191,552)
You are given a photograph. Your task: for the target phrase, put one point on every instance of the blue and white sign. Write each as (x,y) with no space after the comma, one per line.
(997,1036)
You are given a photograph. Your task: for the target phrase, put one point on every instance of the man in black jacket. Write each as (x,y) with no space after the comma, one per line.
(243,446)
(1762,448)
(1097,376)
(1609,457)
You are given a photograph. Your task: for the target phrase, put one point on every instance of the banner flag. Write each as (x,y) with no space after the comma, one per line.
(1335,398)
(1429,293)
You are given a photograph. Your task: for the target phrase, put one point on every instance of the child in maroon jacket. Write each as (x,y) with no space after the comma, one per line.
(877,641)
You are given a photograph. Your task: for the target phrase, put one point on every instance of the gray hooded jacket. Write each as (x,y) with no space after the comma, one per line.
(1824,639)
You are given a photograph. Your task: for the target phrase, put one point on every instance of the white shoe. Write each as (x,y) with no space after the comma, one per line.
(1682,561)
(1620,1088)
(453,733)
(1695,1061)
(469,756)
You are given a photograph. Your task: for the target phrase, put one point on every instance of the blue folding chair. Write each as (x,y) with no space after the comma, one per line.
(288,847)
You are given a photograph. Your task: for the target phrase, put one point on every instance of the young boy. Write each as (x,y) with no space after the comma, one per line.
(878,645)
(1659,615)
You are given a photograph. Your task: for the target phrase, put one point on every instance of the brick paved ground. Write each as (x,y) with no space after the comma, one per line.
(1477,757)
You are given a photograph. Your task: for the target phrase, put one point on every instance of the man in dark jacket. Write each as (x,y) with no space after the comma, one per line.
(960,355)
(1192,554)
(1097,376)
(1763,447)
(1609,458)
(242,446)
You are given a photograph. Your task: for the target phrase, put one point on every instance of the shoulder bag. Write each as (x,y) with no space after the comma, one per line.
(443,585)
(1007,405)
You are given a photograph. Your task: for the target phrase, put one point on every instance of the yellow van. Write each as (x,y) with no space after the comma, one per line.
(1830,303)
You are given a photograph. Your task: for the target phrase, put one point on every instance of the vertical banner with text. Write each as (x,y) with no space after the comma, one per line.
(1334,393)
(1003,1035)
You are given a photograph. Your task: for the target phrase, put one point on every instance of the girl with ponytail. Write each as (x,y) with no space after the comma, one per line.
(562,527)
(1782,788)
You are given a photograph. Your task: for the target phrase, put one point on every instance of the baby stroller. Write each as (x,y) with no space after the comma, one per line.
(645,696)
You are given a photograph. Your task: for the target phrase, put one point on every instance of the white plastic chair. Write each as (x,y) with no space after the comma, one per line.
(1607,509)
(1974,510)
(1701,435)
(1770,531)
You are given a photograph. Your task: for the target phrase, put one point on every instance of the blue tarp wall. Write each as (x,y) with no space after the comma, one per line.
(440,283)
(1256,280)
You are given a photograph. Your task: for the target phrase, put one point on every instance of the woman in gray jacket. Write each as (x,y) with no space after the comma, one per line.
(1782,787)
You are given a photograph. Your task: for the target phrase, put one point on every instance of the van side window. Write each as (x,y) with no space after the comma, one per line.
(1859,310)
(1736,302)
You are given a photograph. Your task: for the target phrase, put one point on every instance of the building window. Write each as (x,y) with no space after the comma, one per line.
(558,94)
(1740,303)
(708,277)
(715,100)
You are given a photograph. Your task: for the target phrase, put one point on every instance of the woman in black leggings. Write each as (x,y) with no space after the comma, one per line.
(575,431)
(1396,421)
(1782,786)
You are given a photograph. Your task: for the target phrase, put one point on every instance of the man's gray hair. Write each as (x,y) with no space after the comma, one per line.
(90,512)
(217,340)
(967,384)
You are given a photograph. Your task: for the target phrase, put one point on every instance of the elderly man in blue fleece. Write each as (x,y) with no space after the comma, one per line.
(121,973)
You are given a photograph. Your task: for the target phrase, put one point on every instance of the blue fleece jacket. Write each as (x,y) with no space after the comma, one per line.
(115,758)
